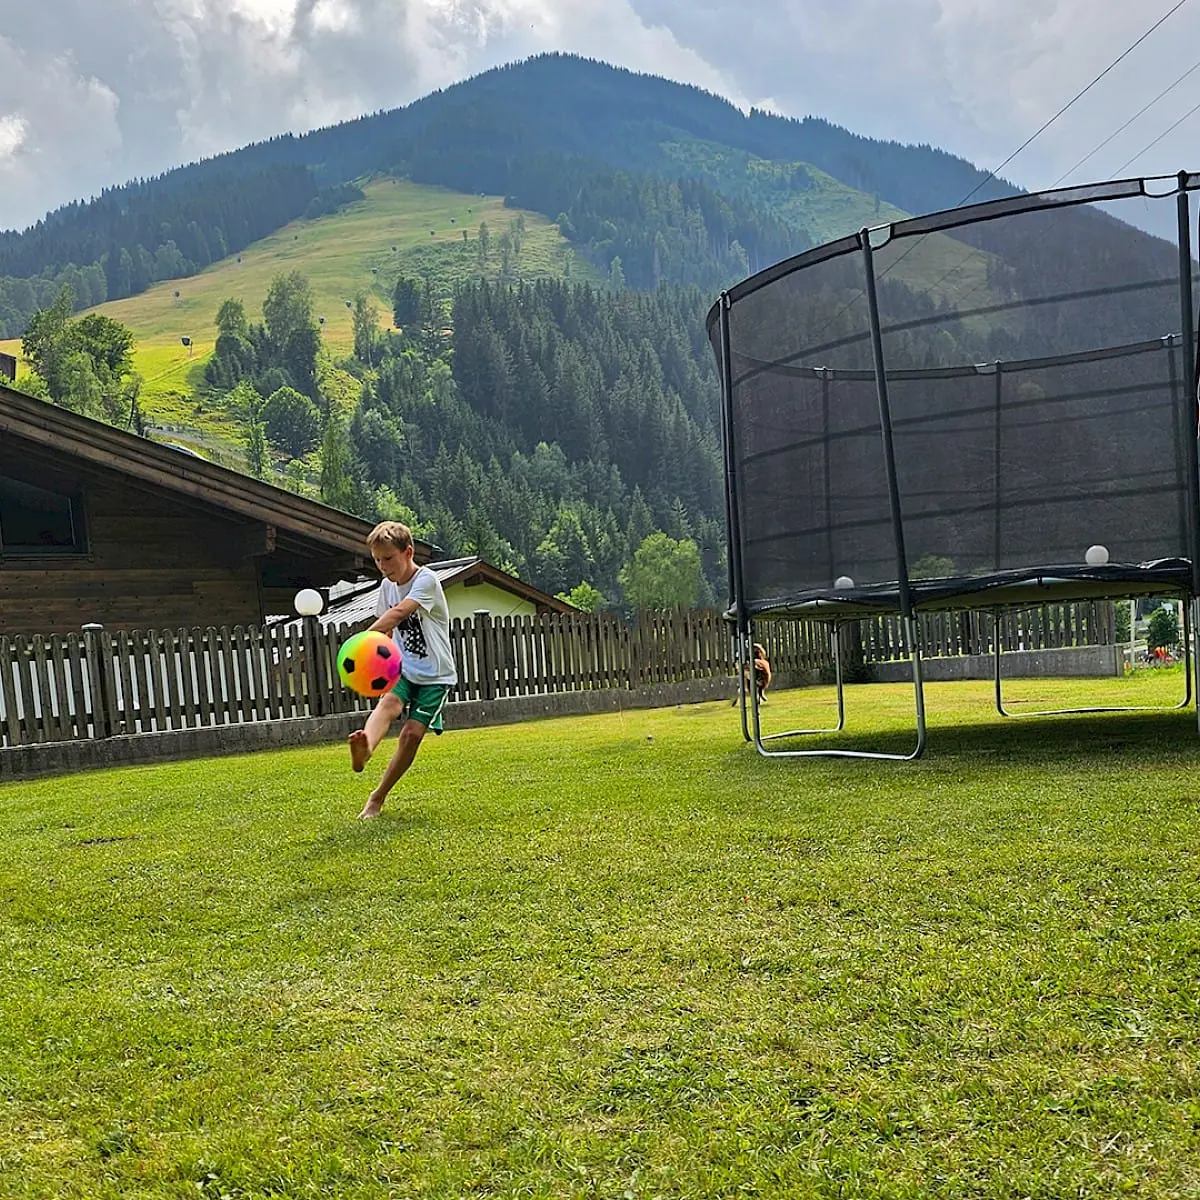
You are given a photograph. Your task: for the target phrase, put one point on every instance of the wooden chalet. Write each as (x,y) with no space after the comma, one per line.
(98,525)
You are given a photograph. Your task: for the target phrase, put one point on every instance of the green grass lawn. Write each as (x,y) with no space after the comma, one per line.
(619,956)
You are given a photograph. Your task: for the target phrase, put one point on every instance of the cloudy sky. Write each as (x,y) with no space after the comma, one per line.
(92,94)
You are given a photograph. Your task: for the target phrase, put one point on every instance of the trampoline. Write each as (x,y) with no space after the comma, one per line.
(985,408)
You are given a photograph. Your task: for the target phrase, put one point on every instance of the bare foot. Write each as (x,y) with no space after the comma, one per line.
(360,750)
(371,809)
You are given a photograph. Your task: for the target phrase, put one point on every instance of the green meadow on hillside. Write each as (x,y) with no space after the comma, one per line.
(341,254)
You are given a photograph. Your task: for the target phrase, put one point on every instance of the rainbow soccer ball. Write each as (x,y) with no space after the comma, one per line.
(369,663)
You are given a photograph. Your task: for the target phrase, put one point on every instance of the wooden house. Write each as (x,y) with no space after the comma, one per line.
(98,525)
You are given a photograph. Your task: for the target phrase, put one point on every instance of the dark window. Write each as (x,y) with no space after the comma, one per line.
(35,521)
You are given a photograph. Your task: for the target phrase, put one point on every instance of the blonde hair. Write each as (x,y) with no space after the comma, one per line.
(390,533)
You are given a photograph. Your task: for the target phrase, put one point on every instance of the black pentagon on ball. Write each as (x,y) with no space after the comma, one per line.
(379,684)
(384,651)
(348,665)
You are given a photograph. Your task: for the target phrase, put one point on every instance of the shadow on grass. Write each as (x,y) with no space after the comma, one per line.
(1134,737)
(352,834)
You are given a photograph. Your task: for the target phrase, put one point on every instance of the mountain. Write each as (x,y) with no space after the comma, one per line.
(495,133)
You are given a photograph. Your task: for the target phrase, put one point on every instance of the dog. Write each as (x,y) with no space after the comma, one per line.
(762,673)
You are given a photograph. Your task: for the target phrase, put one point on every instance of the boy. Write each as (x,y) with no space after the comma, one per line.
(412,607)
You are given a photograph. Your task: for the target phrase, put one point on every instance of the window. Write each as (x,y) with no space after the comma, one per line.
(36,521)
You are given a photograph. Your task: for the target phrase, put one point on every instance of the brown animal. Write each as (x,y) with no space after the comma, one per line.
(762,673)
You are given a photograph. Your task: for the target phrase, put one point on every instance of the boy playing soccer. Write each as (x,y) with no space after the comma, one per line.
(412,608)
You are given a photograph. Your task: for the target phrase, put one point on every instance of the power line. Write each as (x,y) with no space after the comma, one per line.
(1078,96)
(1117,132)
(1090,154)
(1144,149)
(1029,141)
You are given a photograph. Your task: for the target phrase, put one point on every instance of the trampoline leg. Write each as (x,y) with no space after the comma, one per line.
(914,649)
(1194,663)
(740,656)
(1189,608)
(997,634)
(910,629)
(839,680)
(1188,613)
(835,638)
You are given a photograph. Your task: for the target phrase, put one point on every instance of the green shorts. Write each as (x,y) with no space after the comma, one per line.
(424,701)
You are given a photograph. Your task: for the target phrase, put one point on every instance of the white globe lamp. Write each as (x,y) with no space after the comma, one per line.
(843,583)
(1096,556)
(308,602)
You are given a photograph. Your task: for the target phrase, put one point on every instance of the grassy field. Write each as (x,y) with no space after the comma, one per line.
(618,956)
(338,254)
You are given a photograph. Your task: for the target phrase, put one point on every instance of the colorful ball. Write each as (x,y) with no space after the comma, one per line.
(369,663)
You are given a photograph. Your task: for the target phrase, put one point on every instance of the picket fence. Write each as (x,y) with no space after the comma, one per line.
(96,684)
(946,634)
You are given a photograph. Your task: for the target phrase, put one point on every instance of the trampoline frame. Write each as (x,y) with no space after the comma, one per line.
(865,241)
(998,647)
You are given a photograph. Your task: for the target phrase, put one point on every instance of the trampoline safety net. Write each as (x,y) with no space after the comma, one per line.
(1038,380)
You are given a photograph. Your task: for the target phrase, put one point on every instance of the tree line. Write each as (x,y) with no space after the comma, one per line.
(553,433)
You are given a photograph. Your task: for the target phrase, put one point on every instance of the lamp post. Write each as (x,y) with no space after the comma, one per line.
(308,602)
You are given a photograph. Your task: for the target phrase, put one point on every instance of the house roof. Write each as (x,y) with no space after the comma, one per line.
(468,571)
(352,603)
(61,431)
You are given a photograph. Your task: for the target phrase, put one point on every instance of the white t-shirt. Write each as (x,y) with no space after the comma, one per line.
(423,636)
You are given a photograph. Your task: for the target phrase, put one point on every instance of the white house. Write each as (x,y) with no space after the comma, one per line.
(471,585)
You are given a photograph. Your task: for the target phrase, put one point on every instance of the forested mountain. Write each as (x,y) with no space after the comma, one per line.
(572,424)
(599,153)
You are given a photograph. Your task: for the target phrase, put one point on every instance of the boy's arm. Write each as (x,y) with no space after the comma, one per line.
(422,596)
(395,615)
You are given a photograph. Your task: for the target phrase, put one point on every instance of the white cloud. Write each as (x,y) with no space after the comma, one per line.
(133,87)
(13,128)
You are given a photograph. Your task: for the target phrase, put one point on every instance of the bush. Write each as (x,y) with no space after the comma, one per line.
(1163,628)
(292,421)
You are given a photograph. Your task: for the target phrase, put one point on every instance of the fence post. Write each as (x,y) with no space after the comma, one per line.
(487,654)
(318,688)
(94,648)
(633,634)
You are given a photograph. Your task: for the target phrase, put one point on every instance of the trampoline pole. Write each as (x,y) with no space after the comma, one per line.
(885,428)
(731,524)
(1188,347)
(889,460)
(738,596)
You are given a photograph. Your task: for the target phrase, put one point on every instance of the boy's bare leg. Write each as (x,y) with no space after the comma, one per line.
(411,733)
(363,741)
